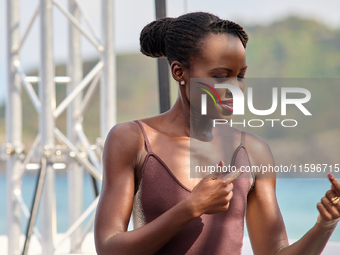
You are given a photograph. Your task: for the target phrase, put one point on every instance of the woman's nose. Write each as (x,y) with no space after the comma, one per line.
(228,92)
(234,82)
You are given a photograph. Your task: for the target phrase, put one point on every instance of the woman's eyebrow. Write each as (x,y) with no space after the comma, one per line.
(224,68)
(228,69)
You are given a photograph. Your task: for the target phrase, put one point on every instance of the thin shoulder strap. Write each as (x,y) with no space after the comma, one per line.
(243,134)
(147,143)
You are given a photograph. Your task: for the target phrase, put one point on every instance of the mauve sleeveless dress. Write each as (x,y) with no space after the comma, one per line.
(209,234)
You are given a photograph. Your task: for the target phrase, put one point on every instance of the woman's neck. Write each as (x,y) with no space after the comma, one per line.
(191,123)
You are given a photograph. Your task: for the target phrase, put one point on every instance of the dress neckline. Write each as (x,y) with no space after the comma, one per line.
(151,153)
(232,161)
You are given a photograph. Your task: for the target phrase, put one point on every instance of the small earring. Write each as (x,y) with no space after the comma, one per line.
(182,83)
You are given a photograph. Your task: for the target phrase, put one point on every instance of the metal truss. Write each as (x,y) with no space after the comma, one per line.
(51,145)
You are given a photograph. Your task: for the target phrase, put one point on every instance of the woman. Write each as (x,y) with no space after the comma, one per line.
(146,162)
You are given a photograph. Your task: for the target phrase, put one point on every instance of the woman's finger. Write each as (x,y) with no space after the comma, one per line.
(330,208)
(333,197)
(323,212)
(335,184)
(230,196)
(213,175)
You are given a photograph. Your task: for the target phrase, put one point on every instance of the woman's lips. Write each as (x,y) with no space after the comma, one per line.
(228,104)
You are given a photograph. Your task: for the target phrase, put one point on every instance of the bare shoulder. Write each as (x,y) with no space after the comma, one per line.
(256,145)
(258,150)
(122,149)
(125,135)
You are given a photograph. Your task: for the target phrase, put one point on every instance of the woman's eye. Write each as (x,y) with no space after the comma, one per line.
(220,78)
(240,78)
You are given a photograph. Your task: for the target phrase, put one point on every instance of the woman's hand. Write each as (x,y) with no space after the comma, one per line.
(329,207)
(211,195)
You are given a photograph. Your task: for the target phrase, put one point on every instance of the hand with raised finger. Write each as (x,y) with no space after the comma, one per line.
(211,195)
(329,207)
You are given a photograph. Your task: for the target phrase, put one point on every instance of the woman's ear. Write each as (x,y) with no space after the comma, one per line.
(178,71)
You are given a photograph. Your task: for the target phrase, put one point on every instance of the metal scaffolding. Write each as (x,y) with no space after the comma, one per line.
(79,154)
(163,66)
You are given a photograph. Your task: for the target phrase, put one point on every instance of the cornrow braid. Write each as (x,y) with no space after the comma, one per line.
(184,35)
(152,38)
(179,38)
(229,27)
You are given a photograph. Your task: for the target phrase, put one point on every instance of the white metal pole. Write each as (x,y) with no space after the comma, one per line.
(46,126)
(108,113)
(13,127)
(76,23)
(75,171)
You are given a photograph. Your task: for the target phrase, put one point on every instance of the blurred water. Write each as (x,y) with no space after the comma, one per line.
(297,199)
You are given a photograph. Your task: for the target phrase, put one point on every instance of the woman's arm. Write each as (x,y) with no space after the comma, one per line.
(121,155)
(314,241)
(264,221)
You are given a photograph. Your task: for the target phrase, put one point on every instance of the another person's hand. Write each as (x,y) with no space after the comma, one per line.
(329,207)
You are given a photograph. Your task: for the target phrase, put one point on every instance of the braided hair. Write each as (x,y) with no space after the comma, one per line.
(179,38)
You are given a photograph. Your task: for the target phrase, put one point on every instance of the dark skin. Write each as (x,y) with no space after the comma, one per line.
(222,56)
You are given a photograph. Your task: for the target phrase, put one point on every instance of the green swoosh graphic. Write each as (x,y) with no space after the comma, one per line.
(208,92)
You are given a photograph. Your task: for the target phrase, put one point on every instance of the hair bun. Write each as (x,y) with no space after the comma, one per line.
(152,38)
